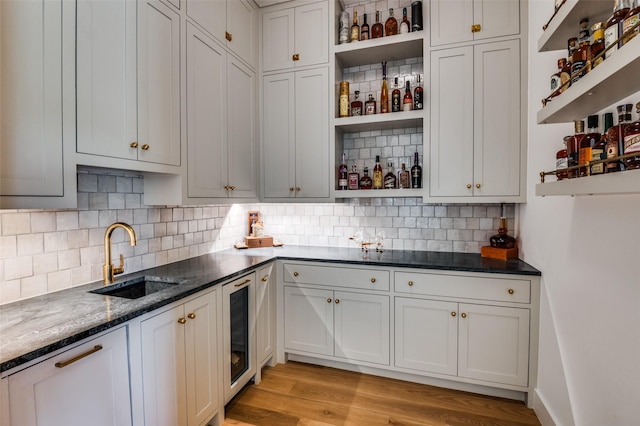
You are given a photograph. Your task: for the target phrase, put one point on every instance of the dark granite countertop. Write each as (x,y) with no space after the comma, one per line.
(34,327)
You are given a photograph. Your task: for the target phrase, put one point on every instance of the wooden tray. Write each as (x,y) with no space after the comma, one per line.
(499,253)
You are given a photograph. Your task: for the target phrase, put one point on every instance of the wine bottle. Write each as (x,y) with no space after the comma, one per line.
(364,29)
(416,173)
(405,26)
(417,94)
(343,172)
(355,29)
(407,101)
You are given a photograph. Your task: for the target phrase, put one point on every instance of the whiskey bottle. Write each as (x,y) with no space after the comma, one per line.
(599,149)
(561,161)
(573,148)
(630,20)
(364,30)
(365,180)
(344,99)
(502,239)
(390,178)
(407,101)
(632,142)
(395,97)
(416,173)
(404,178)
(377,30)
(355,29)
(592,137)
(370,106)
(613,29)
(556,80)
(356,105)
(384,92)
(354,178)
(391,25)
(613,143)
(418,93)
(377,174)
(580,57)
(597,46)
(343,171)
(343,31)
(416,16)
(405,26)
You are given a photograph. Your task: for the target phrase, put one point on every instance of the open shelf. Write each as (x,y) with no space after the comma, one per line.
(391,48)
(627,182)
(606,84)
(377,193)
(392,120)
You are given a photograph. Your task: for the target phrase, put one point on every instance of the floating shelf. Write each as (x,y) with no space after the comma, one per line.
(378,193)
(391,48)
(627,182)
(392,120)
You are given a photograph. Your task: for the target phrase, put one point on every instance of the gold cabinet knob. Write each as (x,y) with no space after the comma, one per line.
(410,283)
(133,144)
(329,300)
(468,186)
(373,280)
(478,185)
(476,28)
(297,189)
(296,57)
(181,321)
(463,315)
(291,189)
(145,147)
(295,274)
(228,36)
(511,291)
(233,188)
(265,278)
(453,314)
(191,315)
(337,300)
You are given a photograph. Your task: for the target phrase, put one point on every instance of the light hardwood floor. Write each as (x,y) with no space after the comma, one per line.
(296,394)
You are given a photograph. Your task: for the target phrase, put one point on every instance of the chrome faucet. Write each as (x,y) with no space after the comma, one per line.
(108,270)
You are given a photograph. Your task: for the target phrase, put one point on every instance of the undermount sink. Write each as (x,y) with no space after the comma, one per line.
(138,287)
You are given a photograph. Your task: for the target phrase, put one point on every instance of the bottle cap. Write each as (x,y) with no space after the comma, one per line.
(579,126)
(592,121)
(626,108)
(377,158)
(608,121)
(562,62)
(597,26)
(396,80)
(408,86)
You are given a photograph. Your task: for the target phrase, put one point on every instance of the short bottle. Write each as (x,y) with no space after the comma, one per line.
(405,26)
(418,93)
(613,28)
(377,174)
(599,149)
(632,143)
(343,174)
(502,239)
(377,30)
(370,106)
(586,145)
(404,178)
(395,97)
(416,173)
(365,181)
(391,24)
(632,18)
(384,91)
(356,105)
(561,161)
(364,29)
(407,100)
(390,179)
(355,28)
(354,178)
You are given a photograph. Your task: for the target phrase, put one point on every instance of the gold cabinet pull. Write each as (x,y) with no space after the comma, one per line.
(329,300)
(296,57)
(476,28)
(337,300)
(463,315)
(468,186)
(181,320)
(453,313)
(297,189)
(145,147)
(478,185)
(191,315)
(410,283)
(242,283)
(291,189)
(233,188)
(510,291)
(373,280)
(295,274)
(133,144)
(228,35)
(265,278)
(93,350)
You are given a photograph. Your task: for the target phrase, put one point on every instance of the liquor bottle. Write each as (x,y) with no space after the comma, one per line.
(597,46)
(370,106)
(418,93)
(565,75)
(355,29)
(364,30)
(561,161)
(343,32)
(384,92)
(377,30)
(502,239)
(573,148)
(404,178)
(556,80)
(344,99)
(405,26)
(416,16)
(407,101)
(365,180)
(613,143)
(613,29)
(391,25)
(343,172)
(581,55)
(416,173)
(591,138)
(390,179)
(632,18)
(377,174)
(356,105)
(395,97)
(354,178)
(632,142)
(599,149)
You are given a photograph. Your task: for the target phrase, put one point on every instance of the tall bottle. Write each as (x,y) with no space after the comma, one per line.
(355,29)
(613,29)
(390,178)
(407,100)
(404,177)
(391,25)
(586,145)
(613,143)
(633,16)
(405,26)
(384,92)
(632,142)
(364,30)
(562,161)
(573,148)
(581,55)
(377,174)
(377,30)
(418,93)
(343,32)
(416,173)
(597,46)
(599,149)
(395,97)
(343,174)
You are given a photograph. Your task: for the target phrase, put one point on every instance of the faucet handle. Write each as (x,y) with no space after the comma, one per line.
(119,269)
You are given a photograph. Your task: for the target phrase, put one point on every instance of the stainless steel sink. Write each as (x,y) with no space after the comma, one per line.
(138,287)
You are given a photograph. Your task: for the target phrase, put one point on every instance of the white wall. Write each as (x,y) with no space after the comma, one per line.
(587,250)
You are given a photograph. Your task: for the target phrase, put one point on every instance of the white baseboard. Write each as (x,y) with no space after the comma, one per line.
(543,413)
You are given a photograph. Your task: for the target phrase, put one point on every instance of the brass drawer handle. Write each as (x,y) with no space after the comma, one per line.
(296,57)
(373,280)
(191,316)
(463,315)
(182,320)
(63,364)
(242,283)
(329,300)
(265,278)
(295,274)
(145,147)
(133,144)
(511,291)
(453,314)
(410,283)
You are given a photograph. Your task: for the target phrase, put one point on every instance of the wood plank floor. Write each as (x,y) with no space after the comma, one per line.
(297,394)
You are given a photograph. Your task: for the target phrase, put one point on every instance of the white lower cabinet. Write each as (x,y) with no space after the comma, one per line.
(85,385)
(265,314)
(180,364)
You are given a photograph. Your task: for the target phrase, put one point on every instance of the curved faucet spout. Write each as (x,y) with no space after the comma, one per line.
(108,270)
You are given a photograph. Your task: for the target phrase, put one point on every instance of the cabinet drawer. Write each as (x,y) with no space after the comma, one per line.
(501,289)
(336,276)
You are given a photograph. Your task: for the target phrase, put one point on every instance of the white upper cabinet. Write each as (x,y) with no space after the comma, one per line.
(455,21)
(233,23)
(295,37)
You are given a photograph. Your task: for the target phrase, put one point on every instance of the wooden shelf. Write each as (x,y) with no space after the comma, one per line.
(392,48)
(565,24)
(392,120)
(377,193)
(612,80)
(611,183)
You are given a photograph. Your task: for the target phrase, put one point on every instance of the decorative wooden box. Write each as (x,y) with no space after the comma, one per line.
(253,242)
(499,253)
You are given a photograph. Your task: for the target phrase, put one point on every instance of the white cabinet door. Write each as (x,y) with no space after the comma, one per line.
(265,315)
(31,144)
(278,136)
(210,15)
(308,320)
(451,160)
(426,333)
(496,18)
(85,385)
(201,343)
(361,324)
(158,83)
(241,26)
(278,40)
(312,133)
(206,75)
(494,344)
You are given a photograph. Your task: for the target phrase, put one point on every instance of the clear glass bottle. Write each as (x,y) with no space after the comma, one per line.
(384,92)
(355,28)
(405,26)
(356,105)
(391,25)
(630,20)
(377,30)
(632,142)
(370,106)
(407,100)
(364,29)
(395,97)
(418,93)
(613,29)
(416,173)
(377,174)
(354,178)
(365,181)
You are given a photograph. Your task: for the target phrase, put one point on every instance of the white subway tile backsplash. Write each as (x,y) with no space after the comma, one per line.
(16,223)
(18,267)
(33,286)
